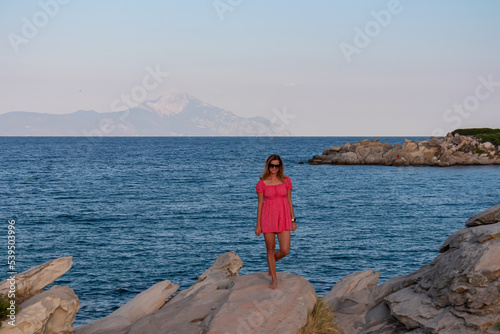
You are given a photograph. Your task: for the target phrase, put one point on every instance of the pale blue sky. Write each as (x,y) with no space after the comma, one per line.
(264,56)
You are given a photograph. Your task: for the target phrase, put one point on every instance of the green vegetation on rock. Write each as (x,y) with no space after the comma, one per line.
(479,151)
(483,134)
(4,304)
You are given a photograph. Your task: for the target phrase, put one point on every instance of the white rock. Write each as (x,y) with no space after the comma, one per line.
(50,312)
(358,281)
(459,292)
(252,307)
(223,302)
(144,303)
(489,146)
(36,278)
(226,265)
(239,304)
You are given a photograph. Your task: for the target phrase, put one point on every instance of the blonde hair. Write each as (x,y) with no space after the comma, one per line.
(281,171)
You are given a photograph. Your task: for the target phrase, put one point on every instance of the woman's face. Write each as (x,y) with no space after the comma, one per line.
(274,166)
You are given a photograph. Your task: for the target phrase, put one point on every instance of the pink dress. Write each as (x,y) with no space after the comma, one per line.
(275,216)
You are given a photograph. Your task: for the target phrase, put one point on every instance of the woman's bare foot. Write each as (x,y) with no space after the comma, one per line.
(273,285)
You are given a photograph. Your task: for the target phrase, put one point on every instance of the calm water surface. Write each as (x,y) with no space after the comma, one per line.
(136,211)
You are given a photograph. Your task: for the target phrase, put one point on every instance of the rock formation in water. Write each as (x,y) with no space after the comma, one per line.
(459,292)
(443,152)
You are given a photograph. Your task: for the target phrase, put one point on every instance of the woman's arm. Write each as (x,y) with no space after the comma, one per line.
(292,214)
(259,212)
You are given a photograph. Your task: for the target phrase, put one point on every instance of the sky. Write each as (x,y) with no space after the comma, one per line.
(315,68)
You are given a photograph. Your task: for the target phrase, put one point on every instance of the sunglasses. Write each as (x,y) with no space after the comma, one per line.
(275,166)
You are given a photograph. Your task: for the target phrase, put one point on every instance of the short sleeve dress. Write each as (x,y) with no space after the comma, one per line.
(275,216)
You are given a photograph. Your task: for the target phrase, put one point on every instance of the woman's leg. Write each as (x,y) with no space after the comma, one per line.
(270,247)
(284,241)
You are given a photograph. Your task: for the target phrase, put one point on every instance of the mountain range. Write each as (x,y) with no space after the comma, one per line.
(171,114)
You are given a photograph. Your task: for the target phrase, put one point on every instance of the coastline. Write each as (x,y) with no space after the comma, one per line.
(451,150)
(428,298)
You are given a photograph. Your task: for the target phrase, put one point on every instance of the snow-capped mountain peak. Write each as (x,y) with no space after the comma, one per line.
(171,114)
(170,103)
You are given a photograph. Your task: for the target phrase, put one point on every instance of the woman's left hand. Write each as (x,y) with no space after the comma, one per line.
(294,226)
(258,230)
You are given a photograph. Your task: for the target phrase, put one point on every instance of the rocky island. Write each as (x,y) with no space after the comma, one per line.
(458,292)
(454,149)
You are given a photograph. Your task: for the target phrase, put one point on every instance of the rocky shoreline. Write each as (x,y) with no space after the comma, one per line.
(459,292)
(446,151)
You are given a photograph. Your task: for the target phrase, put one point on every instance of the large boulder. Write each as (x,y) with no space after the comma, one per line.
(238,304)
(459,292)
(33,280)
(252,308)
(358,305)
(50,312)
(221,301)
(144,303)
(350,288)
(489,216)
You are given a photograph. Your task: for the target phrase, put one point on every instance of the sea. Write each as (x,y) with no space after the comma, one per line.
(135,211)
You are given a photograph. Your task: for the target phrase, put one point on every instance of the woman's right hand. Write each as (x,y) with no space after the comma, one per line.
(257,230)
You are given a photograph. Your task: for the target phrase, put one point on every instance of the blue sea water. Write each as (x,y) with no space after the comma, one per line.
(136,211)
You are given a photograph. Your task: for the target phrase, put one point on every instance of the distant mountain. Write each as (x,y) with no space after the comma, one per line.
(171,114)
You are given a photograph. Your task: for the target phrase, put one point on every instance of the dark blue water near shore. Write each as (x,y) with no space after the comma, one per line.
(135,211)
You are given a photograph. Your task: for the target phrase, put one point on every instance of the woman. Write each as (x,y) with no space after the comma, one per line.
(275,212)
